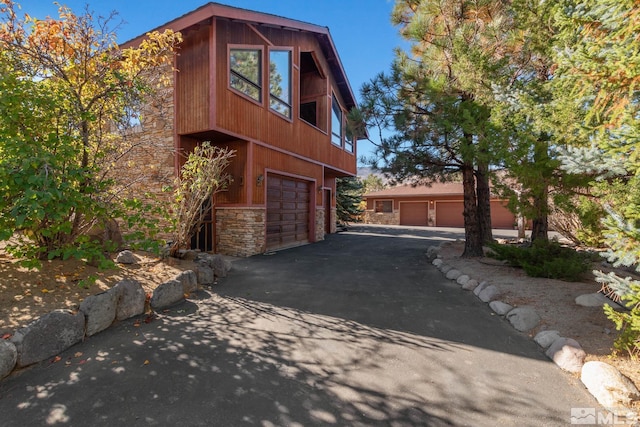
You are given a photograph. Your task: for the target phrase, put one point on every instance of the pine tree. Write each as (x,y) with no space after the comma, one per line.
(349,193)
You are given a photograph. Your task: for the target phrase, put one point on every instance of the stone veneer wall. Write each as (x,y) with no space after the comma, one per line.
(334,220)
(240,231)
(391,218)
(319,224)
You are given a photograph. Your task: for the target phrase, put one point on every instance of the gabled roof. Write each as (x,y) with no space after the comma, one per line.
(236,14)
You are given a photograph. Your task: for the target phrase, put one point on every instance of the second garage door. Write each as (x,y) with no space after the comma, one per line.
(414,213)
(449,214)
(287,211)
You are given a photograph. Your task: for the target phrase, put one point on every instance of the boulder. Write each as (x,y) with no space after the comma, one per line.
(610,388)
(453,274)
(489,293)
(470,285)
(437,262)
(99,311)
(499,307)
(205,274)
(166,294)
(567,354)
(8,357)
(546,338)
(595,300)
(432,252)
(462,280)
(189,280)
(480,287)
(444,268)
(216,262)
(47,336)
(131,299)
(523,318)
(126,257)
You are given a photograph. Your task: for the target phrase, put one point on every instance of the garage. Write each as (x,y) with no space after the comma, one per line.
(449,214)
(414,213)
(287,211)
(501,216)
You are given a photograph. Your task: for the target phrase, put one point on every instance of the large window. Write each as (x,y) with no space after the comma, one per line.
(245,70)
(337,130)
(313,92)
(280,81)
(349,139)
(383,206)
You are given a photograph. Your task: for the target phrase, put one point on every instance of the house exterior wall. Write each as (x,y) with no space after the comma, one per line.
(240,231)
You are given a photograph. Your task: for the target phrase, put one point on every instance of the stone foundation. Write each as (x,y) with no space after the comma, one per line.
(240,231)
(319,224)
(371,217)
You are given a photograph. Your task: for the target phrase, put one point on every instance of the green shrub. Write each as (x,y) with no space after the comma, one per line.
(628,322)
(545,259)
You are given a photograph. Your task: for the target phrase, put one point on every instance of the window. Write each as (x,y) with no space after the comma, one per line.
(313,92)
(245,67)
(280,81)
(349,139)
(336,122)
(383,206)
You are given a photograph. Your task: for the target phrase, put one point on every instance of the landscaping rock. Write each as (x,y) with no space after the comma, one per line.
(131,299)
(189,280)
(546,338)
(567,354)
(611,389)
(126,257)
(8,357)
(462,280)
(523,318)
(205,274)
(470,285)
(99,311)
(453,274)
(596,300)
(444,268)
(167,294)
(480,287)
(500,307)
(432,252)
(47,336)
(437,262)
(489,293)
(220,266)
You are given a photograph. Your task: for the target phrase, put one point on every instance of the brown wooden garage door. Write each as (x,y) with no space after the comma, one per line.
(287,211)
(501,216)
(414,213)
(449,214)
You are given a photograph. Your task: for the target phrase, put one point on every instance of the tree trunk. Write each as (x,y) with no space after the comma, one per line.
(540,226)
(473,238)
(484,203)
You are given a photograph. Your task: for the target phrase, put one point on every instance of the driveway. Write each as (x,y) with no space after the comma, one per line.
(357,330)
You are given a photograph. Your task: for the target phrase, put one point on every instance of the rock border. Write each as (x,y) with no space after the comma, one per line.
(605,383)
(54,332)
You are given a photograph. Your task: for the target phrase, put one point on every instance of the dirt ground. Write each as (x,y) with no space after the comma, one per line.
(554,301)
(26,294)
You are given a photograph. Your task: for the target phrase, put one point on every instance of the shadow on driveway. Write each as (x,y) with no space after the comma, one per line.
(357,330)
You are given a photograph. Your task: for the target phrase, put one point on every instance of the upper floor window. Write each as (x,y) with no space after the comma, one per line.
(337,130)
(280,81)
(245,66)
(349,139)
(313,92)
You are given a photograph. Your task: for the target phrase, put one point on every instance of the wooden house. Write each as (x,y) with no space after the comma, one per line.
(274,90)
(435,205)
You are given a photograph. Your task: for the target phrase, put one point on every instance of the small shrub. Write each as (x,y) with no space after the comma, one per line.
(547,259)
(628,323)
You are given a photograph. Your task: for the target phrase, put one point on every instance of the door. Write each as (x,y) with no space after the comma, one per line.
(287,211)
(414,213)
(449,214)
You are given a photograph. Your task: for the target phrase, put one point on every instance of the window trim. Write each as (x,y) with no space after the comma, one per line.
(230,73)
(334,101)
(290,104)
(375,201)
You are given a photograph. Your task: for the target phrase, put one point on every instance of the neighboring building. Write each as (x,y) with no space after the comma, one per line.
(274,90)
(437,205)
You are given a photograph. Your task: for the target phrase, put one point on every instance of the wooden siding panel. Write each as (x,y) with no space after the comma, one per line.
(192,85)
(240,115)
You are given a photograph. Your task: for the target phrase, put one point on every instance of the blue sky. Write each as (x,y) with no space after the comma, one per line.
(361,29)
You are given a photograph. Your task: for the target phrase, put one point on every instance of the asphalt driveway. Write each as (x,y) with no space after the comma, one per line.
(357,330)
